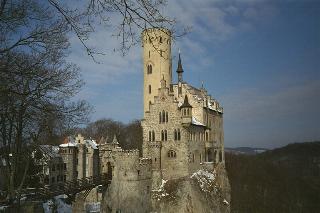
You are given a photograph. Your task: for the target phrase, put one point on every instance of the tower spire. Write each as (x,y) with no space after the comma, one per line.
(179,69)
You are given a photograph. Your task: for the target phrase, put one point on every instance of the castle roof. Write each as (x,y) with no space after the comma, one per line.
(186,102)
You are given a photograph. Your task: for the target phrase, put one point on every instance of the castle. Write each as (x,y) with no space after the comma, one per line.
(182,134)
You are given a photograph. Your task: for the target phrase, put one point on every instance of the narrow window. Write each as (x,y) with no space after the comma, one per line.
(162,135)
(149,53)
(179,137)
(149,89)
(153,135)
(160,39)
(159,117)
(163,117)
(175,135)
(165,135)
(149,136)
(166,117)
(155,159)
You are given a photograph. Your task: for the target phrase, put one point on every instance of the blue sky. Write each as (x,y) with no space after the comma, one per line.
(260,59)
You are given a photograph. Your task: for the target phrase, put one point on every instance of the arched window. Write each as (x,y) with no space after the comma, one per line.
(175,135)
(149,68)
(165,135)
(188,113)
(153,136)
(163,116)
(166,117)
(162,135)
(172,154)
(149,135)
(179,136)
(159,117)
(149,53)
(149,89)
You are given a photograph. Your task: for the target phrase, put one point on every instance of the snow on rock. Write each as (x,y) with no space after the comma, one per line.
(59,203)
(205,179)
(159,193)
(225,202)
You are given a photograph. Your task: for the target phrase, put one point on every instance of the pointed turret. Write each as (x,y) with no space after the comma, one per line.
(179,69)
(115,140)
(186,103)
(186,111)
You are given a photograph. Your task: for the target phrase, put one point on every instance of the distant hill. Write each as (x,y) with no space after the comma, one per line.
(286,179)
(245,150)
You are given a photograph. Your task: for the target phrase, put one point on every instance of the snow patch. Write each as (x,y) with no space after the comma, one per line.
(58,201)
(225,202)
(205,179)
(196,122)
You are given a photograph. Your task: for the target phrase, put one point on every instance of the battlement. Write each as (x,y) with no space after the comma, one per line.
(129,153)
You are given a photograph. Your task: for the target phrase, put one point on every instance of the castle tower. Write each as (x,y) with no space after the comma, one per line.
(156,43)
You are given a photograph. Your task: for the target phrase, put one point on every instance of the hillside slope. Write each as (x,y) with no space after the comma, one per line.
(281,180)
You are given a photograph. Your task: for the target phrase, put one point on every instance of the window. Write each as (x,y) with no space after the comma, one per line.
(207,136)
(161,53)
(153,136)
(163,116)
(149,136)
(177,136)
(165,135)
(160,39)
(155,159)
(166,117)
(159,117)
(149,53)
(149,69)
(149,89)
(172,154)
(162,135)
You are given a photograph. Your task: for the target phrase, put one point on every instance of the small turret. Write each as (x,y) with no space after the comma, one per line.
(115,140)
(186,111)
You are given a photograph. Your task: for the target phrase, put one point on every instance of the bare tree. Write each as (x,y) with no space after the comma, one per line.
(25,24)
(35,97)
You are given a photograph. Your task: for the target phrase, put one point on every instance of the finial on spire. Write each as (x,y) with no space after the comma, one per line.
(179,69)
